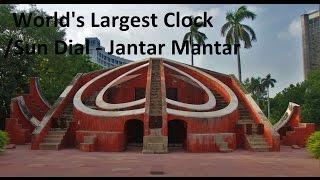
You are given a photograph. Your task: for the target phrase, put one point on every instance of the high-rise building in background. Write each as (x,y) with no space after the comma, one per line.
(101,57)
(311,41)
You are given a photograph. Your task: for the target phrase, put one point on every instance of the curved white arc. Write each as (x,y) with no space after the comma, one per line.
(78,104)
(211,103)
(109,106)
(232,106)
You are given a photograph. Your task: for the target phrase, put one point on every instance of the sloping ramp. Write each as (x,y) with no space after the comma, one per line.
(286,116)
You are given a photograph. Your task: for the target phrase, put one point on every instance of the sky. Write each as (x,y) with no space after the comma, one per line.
(278,49)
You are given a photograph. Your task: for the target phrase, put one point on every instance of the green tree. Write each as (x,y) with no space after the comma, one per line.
(55,71)
(194,34)
(256,88)
(267,82)
(279,104)
(310,107)
(236,32)
(306,94)
(15,69)
(59,73)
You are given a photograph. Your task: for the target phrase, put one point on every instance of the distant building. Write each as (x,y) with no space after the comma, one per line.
(101,57)
(311,41)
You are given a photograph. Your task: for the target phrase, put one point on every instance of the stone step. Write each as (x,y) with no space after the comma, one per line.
(255,137)
(258,143)
(260,148)
(155,105)
(245,121)
(244,116)
(155,148)
(55,136)
(52,140)
(67,115)
(244,112)
(225,150)
(156,110)
(156,132)
(57,132)
(49,146)
(258,140)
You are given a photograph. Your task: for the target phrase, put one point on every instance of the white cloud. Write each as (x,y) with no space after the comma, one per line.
(293,30)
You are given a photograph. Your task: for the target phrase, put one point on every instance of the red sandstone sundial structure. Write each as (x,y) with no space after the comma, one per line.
(154,103)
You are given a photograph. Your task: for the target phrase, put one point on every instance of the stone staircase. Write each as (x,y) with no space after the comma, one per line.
(91,100)
(155,95)
(256,142)
(155,142)
(53,139)
(220,102)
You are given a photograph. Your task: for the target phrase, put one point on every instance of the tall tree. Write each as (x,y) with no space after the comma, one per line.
(194,34)
(55,71)
(310,109)
(292,93)
(235,32)
(267,82)
(256,88)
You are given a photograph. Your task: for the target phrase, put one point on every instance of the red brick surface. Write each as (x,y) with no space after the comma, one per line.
(22,161)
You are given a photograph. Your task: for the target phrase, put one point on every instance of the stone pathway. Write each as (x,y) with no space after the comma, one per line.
(22,161)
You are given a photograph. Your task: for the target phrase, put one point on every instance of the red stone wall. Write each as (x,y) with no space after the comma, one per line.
(186,92)
(105,141)
(16,133)
(206,142)
(301,131)
(299,135)
(34,101)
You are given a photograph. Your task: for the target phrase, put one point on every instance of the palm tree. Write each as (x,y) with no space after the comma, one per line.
(235,32)
(194,34)
(258,88)
(267,82)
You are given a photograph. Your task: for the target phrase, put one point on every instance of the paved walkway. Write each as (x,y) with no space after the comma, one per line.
(72,162)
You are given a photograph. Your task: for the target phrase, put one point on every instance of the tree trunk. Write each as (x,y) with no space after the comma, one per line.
(191,50)
(239,65)
(268,104)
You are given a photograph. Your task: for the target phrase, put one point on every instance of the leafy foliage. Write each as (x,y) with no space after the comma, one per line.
(55,71)
(310,108)
(3,140)
(256,88)
(313,144)
(236,32)
(194,35)
(306,94)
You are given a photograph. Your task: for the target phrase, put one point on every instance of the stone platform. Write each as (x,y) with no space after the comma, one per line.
(22,161)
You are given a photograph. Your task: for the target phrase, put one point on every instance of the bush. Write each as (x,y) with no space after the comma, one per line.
(313,144)
(3,140)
